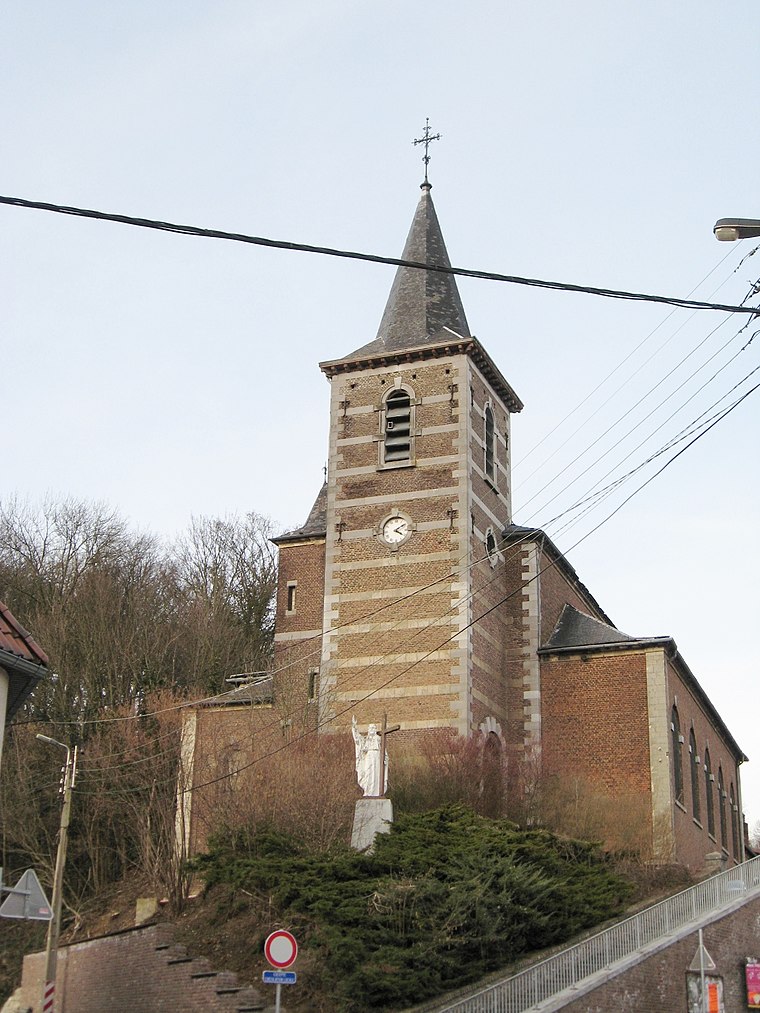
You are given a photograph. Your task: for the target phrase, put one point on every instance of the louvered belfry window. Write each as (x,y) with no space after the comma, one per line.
(397,418)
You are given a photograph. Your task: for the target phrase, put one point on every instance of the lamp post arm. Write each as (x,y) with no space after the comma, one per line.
(729,229)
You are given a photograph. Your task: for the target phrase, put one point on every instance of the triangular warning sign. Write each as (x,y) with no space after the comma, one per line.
(27,900)
(706,963)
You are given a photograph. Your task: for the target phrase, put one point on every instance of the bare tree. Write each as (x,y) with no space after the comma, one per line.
(94,595)
(122,619)
(227,575)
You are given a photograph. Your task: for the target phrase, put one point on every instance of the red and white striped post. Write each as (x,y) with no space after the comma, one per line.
(48,997)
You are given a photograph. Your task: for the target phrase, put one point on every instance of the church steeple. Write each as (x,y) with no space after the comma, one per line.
(421,303)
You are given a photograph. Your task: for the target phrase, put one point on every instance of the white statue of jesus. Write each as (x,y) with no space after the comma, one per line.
(369,760)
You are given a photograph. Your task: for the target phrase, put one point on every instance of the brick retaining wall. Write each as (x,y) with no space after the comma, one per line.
(138,971)
(658,983)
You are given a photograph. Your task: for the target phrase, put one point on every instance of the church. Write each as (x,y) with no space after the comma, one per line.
(409,592)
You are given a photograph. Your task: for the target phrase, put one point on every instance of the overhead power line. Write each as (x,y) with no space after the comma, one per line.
(326,251)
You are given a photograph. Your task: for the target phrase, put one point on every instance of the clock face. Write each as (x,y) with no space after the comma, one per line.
(395,530)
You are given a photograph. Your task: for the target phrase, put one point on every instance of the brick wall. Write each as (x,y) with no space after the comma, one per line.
(298,637)
(594,717)
(402,652)
(303,565)
(658,983)
(556,592)
(490,512)
(138,970)
(606,720)
(226,740)
(693,840)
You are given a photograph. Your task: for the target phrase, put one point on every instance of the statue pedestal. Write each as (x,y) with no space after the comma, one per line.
(372,816)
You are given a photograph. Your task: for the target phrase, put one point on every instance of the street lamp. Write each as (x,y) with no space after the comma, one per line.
(54,926)
(729,229)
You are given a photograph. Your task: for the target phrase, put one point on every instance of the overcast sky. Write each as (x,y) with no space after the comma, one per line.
(591,142)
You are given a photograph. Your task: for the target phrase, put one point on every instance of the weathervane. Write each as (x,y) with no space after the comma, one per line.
(426,138)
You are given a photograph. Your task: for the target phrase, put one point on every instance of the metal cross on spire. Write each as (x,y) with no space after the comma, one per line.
(426,138)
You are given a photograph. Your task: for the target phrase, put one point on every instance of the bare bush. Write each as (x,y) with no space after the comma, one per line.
(440,767)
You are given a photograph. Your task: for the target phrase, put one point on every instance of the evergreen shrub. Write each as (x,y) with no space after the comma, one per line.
(447,896)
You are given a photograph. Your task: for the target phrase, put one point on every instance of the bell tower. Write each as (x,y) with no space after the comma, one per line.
(418,494)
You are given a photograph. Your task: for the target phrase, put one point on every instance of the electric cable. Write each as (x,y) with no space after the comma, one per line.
(669,419)
(239,237)
(593,499)
(620,364)
(629,410)
(300,659)
(331,718)
(319,636)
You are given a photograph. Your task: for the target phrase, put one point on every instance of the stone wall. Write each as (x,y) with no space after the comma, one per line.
(138,970)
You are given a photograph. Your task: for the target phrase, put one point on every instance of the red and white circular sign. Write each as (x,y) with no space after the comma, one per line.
(280,949)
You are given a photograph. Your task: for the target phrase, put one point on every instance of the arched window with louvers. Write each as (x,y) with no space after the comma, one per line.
(397,418)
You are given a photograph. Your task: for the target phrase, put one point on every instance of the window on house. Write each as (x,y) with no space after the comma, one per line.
(734,812)
(490,466)
(722,809)
(397,428)
(696,807)
(677,750)
(291,602)
(709,794)
(313,683)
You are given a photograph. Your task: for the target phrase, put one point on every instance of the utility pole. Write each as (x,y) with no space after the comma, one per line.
(54,926)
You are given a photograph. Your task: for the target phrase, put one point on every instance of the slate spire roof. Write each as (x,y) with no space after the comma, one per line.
(421,303)
(316,522)
(424,317)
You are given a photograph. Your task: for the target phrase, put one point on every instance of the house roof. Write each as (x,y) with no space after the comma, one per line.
(316,522)
(259,690)
(21,657)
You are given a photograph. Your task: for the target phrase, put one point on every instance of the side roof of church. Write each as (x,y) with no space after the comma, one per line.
(315,525)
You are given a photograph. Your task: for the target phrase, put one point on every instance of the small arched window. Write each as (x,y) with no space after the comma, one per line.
(696,808)
(722,810)
(709,794)
(397,444)
(734,812)
(489,437)
(492,777)
(677,750)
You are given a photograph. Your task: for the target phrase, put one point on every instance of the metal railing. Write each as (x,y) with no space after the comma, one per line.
(566,969)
